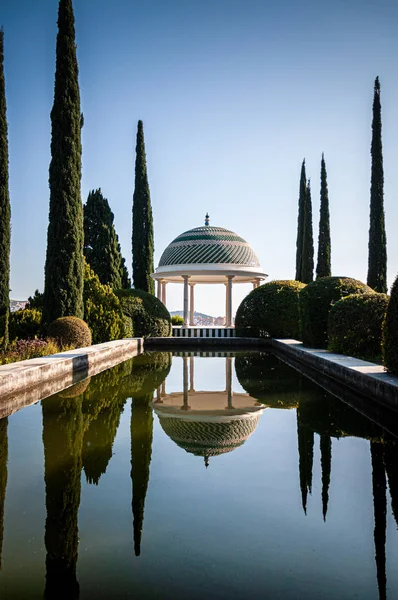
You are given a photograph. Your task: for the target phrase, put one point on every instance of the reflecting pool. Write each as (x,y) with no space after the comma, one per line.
(195,476)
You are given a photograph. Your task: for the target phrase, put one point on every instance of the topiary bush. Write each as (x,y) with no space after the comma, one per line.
(390,332)
(102,310)
(25,324)
(177,320)
(149,316)
(270,309)
(355,325)
(315,301)
(71,332)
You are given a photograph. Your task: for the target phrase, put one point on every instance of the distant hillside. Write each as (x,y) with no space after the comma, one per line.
(196,314)
(17,304)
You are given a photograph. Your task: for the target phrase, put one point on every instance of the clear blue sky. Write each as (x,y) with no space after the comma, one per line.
(233,95)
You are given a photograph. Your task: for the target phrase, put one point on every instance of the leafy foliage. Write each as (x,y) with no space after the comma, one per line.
(36,301)
(63,287)
(390,332)
(177,320)
(101,243)
(355,325)
(142,239)
(377,263)
(26,349)
(25,324)
(149,316)
(70,331)
(5,209)
(270,309)
(102,310)
(315,301)
(323,268)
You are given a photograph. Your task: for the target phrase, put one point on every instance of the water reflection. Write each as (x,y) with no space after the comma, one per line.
(3,478)
(207,423)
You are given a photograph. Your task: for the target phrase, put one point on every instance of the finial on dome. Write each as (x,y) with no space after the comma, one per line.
(207,219)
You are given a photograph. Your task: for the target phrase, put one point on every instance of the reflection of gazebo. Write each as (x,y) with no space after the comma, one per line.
(207,423)
(207,255)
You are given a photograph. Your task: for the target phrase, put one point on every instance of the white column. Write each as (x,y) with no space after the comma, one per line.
(159,294)
(191,374)
(228,382)
(185,406)
(164,292)
(228,302)
(191,305)
(185,278)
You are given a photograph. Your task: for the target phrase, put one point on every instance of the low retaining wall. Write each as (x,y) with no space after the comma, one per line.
(361,376)
(25,382)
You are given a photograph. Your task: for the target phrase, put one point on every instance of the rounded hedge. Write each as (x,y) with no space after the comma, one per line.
(315,301)
(177,320)
(70,331)
(390,332)
(355,325)
(149,316)
(25,324)
(270,309)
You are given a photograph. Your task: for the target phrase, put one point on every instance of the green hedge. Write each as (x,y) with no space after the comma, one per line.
(25,324)
(71,332)
(315,301)
(270,309)
(390,332)
(355,325)
(149,316)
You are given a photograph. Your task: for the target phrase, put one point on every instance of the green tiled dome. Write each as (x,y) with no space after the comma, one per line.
(209,245)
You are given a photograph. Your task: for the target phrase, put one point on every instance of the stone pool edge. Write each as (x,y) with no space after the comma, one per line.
(361,376)
(24,382)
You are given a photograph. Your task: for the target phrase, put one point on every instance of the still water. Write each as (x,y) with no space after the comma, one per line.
(190,477)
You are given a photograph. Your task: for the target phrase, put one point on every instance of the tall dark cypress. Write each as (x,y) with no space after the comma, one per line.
(307,272)
(326,464)
(379,485)
(377,261)
(101,242)
(300,223)
(323,268)
(63,284)
(5,209)
(3,477)
(142,240)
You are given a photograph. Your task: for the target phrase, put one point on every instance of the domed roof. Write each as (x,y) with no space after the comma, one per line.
(209,245)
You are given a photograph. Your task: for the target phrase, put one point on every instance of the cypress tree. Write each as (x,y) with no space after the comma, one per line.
(300,223)
(101,243)
(379,485)
(142,239)
(377,261)
(323,268)
(3,476)
(307,272)
(5,209)
(63,276)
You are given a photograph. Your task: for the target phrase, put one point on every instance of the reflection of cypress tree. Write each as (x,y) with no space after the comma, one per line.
(380,509)
(99,439)
(305,438)
(326,464)
(62,439)
(3,476)
(391,462)
(141,452)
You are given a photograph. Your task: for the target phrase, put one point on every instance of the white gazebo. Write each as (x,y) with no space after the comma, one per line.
(207,255)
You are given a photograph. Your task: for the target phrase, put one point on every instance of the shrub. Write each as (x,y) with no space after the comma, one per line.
(35,301)
(102,310)
(315,301)
(390,332)
(355,325)
(25,324)
(271,308)
(177,320)
(26,349)
(149,316)
(71,332)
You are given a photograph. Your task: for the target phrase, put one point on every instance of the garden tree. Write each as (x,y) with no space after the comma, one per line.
(5,209)
(377,260)
(3,477)
(142,239)
(63,274)
(62,440)
(326,464)
(101,243)
(307,269)
(300,223)
(380,512)
(323,267)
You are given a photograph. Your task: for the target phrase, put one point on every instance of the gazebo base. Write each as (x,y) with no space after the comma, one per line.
(204,332)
